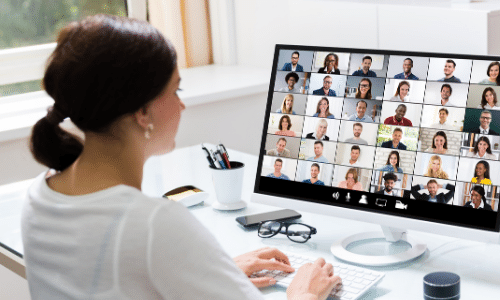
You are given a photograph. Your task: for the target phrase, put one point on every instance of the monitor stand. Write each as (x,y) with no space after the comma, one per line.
(339,249)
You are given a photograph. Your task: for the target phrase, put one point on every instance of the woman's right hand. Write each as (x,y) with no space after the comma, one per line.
(313,281)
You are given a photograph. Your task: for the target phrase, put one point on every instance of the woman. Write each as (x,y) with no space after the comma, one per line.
(88,231)
(392,164)
(434,169)
(439,143)
(291,79)
(284,126)
(492,72)
(364,89)
(402,91)
(482,149)
(482,173)
(351,181)
(320,133)
(323,109)
(287,105)
(489,99)
(331,64)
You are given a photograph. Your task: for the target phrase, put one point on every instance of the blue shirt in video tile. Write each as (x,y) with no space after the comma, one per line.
(355,117)
(320,159)
(404,76)
(282,176)
(451,79)
(360,73)
(322,92)
(288,67)
(319,182)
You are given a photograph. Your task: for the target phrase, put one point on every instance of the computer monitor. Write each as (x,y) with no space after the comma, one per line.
(407,140)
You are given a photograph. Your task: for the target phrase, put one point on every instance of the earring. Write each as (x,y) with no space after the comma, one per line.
(149,129)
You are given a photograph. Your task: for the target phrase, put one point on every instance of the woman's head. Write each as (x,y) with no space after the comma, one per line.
(483,145)
(323,106)
(440,140)
(103,69)
(351,176)
(321,128)
(435,164)
(285,123)
(393,159)
(331,59)
(482,169)
(403,89)
(364,89)
(489,97)
(493,71)
(287,105)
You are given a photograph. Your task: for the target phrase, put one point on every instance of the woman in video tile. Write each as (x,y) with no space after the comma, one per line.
(489,99)
(320,133)
(351,181)
(439,143)
(287,105)
(434,169)
(482,173)
(478,199)
(402,91)
(392,164)
(285,125)
(482,149)
(331,64)
(364,89)
(323,109)
(492,72)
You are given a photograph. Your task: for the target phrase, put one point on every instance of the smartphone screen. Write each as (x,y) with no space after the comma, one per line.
(279,215)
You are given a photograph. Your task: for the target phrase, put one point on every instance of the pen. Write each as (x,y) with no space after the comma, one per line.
(216,162)
(219,158)
(224,154)
(209,157)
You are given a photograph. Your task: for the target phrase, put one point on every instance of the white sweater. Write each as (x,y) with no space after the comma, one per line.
(120,244)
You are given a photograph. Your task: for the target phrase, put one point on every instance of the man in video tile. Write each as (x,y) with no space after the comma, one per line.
(432,187)
(390,180)
(294,64)
(449,68)
(407,74)
(325,90)
(395,143)
(365,68)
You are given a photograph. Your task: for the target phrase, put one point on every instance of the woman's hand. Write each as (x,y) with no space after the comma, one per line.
(263,259)
(313,281)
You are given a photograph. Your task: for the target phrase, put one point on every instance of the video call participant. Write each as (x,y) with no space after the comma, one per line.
(435,168)
(484,121)
(280,149)
(492,72)
(432,187)
(355,153)
(320,133)
(446,91)
(351,181)
(331,64)
(357,129)
(365,68)
(395,143)
(314,176)
(323,109)
(489,99)
(392,164)
(284,126)
(291,79)
(287,105)
(439,143)
(443,117)
(390,180)
(399,117)
(325,90)
(364,89)
(294,64)
(449,68)
(278,163)
(360,116)
(481,173)
(407,74)
(318,153)
(482,149)
(402,91)
(478,199)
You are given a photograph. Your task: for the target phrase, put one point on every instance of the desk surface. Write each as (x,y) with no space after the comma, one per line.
(476,263)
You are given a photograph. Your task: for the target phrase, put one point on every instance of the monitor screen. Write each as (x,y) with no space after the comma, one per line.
(408,134)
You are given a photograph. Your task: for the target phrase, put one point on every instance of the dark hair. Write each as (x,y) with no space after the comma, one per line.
(443,134)
(296,52)
(357,124)
(328,113)
(480,190)
(486,166)
(278,160)
(390,176)
(483,98)
(445,110)
(409,60)
(432,181)
(389,158)
(448,86)
(404,82)
(315,165)
(289,122)
(367,57)
(368,94)
(402,105)
(281,139)
(482,139)
(356,147)
(292,74)
(336,60)
(397,129)
(319,142)
(361,101)
(451,62)
(495,63)
(102,68)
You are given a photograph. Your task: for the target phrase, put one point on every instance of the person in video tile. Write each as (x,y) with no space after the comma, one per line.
(489,99)
(365,68)
(354,158)
(482,149)
(314,175)
(439,143)
(280,149)
(443,116)
(407,74)
(351,181)
(320,133)
(432,187)
(389,180)
(325,90)
(481,173)
(331,64)
(492,72)
(395,143)
(318,153)
(291,79)
(478,199)
(284,126)
(294,64)
(392,164)
(449,68)
(360,115)
(446,91)
(399,117)
(435,168)
(357,129)
(364,89)
(278,163)
(484,121)
(323,109)
(287,105)
(402,91)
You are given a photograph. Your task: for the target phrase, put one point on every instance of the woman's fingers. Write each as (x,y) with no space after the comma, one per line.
(263,281)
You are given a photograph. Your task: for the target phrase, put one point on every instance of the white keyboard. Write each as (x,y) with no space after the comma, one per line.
(355,280)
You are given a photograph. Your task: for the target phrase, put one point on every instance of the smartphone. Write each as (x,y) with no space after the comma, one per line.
(279,215)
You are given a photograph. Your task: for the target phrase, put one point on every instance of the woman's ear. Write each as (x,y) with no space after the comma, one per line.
(142,117)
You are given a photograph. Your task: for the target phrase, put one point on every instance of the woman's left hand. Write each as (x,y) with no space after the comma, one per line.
(263,259)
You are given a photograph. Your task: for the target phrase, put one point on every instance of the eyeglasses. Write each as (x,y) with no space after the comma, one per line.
(296,232)
(364,86)
(485,118)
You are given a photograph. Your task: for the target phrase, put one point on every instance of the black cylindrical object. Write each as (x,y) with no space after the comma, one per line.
(441,286)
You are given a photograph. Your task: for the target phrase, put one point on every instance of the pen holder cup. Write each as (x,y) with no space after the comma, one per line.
(228,183)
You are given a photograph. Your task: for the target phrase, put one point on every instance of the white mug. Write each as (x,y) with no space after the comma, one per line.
(228,183)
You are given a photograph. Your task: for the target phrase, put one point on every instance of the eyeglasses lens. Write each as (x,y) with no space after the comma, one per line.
(269,228)
(299,233)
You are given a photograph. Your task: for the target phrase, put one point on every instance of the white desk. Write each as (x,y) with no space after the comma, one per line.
(476,263)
